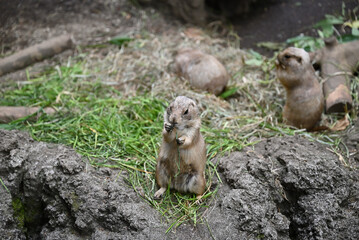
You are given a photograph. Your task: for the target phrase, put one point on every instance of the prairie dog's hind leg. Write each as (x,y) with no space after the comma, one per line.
(191,183)
(198,187)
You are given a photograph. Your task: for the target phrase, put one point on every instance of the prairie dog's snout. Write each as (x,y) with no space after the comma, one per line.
(173,119)
(282,60)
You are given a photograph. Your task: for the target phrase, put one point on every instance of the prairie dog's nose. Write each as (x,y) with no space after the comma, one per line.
(173,120)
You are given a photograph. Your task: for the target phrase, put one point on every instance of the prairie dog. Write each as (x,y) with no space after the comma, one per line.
(182,158)
(203,71)
(305,101)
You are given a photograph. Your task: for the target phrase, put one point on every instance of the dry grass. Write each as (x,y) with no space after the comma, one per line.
(141,75)
(145,67)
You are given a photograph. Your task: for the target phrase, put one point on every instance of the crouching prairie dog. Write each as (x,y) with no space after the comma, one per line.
(304,102)
(203,71)
(182,158)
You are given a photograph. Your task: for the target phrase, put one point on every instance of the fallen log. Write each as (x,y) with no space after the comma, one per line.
(35,53)
(337,63)
(10,113)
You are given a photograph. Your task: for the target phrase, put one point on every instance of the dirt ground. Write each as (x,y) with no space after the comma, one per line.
(25,22)
(93,23)
(283,188)
(280,20)
(295,194)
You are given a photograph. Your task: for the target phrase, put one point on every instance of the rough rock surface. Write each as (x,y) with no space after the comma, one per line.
(64,198)
(351,141)
(290,188)
(283,188)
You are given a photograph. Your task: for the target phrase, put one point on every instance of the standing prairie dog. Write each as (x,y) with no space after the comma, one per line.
(182,158)
(305,102)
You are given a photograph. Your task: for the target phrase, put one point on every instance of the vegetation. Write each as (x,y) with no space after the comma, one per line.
(111,109)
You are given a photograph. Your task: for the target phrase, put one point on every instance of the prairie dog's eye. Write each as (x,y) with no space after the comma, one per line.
(287,56)
(299,59)
(185,112)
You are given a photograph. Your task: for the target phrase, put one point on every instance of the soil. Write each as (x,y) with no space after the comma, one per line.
(283,188)
(26,22)
(91,23)
(281,20)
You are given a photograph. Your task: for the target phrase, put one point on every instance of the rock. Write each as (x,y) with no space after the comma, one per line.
(351,141)
(203,71)
(290,188)
(64,198)
(282,188)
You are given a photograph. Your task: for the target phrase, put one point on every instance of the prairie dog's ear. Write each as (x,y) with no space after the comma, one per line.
(193,107)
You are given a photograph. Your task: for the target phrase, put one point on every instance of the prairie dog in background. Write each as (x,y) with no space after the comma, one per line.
(305,101)
(182,158)
(203,71)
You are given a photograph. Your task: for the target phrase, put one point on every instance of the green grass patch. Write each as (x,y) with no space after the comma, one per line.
(112,131)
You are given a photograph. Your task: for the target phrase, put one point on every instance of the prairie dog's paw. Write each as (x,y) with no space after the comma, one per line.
(180,140)
(169,127)
(199,199)
(159,193)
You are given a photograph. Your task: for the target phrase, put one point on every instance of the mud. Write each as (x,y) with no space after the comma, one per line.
(283,188)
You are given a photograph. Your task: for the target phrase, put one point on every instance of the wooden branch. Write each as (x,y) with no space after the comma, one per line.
(8,114)
(338,62)
(35,53)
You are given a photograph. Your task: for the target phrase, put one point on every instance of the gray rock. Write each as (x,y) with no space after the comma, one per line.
(290,188)
(63,198)
(282,188)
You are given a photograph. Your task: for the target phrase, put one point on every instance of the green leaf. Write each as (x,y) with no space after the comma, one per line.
(6,126)
(348,38)
(327,24)
(327,30)
(231,91)
(120,40)
(299,38)
(255,54)
(355,32)
(329,20)
(254,62)
(308,43)
(271,45)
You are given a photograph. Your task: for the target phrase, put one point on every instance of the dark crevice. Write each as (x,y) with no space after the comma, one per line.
(29,212)
(290,207)
(35,218)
